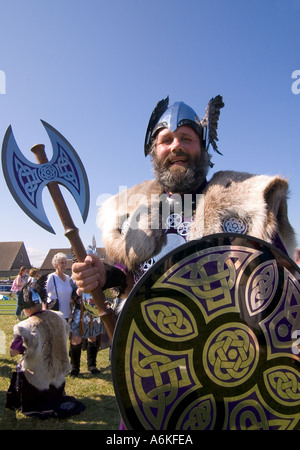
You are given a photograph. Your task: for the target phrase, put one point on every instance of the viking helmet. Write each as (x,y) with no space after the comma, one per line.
(178,114)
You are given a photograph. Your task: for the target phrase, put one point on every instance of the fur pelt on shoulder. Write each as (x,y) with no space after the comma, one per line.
(260,201)
(45,361)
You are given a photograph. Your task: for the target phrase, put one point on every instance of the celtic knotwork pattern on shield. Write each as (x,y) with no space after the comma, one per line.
(169,319)
(156,378)
(211,278)
(283,383)
(279,326)
(231,354)
(261,287)
(199,415)
(206,341)
(66,169)
(249,411)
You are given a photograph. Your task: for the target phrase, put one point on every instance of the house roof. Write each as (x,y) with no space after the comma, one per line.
(13,255)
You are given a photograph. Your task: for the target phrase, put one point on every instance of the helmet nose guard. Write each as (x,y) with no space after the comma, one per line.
(178,114)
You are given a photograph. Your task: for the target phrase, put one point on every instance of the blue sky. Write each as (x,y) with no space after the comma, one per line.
(95,70)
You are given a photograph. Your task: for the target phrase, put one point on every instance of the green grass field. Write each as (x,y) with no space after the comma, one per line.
(95,391)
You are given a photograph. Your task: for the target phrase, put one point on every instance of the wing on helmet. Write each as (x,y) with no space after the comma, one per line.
(210,120)
(158,111)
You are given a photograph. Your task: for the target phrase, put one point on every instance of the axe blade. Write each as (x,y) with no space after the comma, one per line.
(26,180)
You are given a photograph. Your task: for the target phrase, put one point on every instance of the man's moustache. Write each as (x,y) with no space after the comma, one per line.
(175,155)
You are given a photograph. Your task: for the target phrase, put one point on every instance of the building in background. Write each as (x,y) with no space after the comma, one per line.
(13,255)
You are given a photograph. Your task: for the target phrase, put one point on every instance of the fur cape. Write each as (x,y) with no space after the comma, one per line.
(257,201)
(45,361)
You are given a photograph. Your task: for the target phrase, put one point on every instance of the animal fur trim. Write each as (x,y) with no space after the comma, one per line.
(258,201)
(45,361)
(132,207)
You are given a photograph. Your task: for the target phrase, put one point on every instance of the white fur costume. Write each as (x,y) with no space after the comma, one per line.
(45,361)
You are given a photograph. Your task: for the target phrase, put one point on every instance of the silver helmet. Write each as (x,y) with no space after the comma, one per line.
(178,114)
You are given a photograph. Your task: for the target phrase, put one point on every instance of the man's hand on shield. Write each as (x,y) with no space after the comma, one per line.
(89,274)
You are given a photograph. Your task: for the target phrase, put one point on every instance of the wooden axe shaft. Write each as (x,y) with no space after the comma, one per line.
(72,233)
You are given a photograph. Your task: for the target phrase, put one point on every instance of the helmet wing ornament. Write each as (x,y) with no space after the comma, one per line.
(158,111)
(210,121)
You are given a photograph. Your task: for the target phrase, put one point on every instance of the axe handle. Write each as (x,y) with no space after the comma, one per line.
(72,233)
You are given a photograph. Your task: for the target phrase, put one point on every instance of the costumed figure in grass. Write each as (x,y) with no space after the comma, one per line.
(37,387)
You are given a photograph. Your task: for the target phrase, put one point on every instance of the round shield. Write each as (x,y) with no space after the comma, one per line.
(209,338)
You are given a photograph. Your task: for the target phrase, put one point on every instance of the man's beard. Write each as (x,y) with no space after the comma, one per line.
(179,179)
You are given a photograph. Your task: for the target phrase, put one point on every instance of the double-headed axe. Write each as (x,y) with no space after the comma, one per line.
(27,180)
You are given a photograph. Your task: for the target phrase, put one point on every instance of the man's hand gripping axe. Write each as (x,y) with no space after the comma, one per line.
(26,181)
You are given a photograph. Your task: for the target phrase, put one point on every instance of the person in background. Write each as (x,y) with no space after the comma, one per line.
(60,286)
(84,329)
(17,285)
(117,300)
(33,276)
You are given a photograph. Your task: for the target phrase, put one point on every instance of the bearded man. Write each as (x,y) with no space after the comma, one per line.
(143,223)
